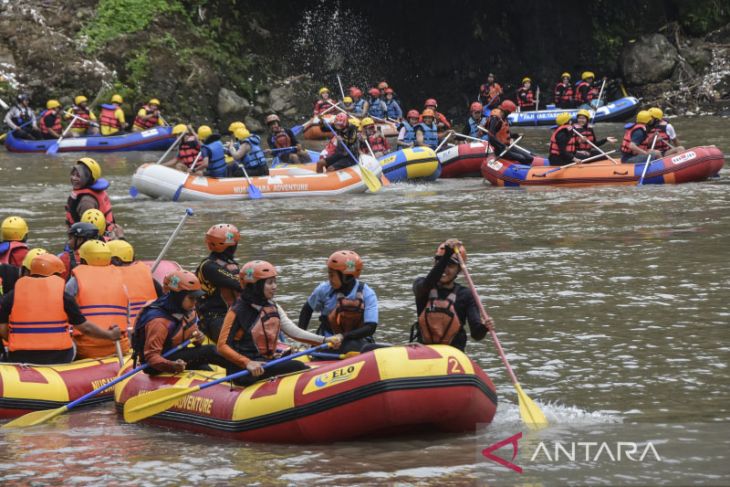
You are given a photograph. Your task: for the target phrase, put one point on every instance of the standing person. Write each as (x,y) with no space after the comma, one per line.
(347,306)
(85,121)
(218,276)
(586,91)
(21,119)
(360,105)
(249,153)
(407,129)
(13,246)
(377,142)
(441,121)
(444,306)
(137,277)
(88,190)
(476,119)
(187,151)
(324,103)
(41,334)
(111,117)
(525,96)
(563,92)
(636,145)
(490,93)
(346,137)
(49,120)
(583,127)
(212,153)
(281,138)
(499,133)
(667,142)
(376,107)
(393,109)
(427,131)
(562,142)
(148,116)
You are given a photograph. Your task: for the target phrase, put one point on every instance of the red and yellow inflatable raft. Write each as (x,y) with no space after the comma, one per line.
(387,391)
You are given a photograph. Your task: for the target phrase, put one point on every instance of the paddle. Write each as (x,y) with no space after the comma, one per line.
(53,149)
(253,192)
(383,178)
(339,82)
(120,355)
(148,404)
(598,102)
(594,146)
(188,212)
(446,139)
(174,144)
(368,177)
(40,417)
(597,156)
(4,105)
(332,356)
(179,189)
(531,414)
(469,137)
(537,104)
(646,164)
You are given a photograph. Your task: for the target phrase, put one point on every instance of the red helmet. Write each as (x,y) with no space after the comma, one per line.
(374,92)
(476,107)
(341,120)
(182,281)
(256,270)
(345,261)
(219,237)
(413,114)
(355,92)
(508,106)
(442,248)
(431,102)
(389,91)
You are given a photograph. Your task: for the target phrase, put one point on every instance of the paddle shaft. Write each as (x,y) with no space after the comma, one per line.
(648,158)
(469,137)
(177,141)
(188,212)
(598,103)
(597,156)
(594,145)
(446,139)
(342,92)
(63,134)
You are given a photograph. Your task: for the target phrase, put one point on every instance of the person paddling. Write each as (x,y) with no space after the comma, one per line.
(21,119)
(583,126)
(187,151)
(324,103)
(636,145)
(563,142)
(284,144)
(49,121)
(148,116)
(84,120)
(247,151)
(212,153)
(499,133)
(377,142)
(337,155)
(666,142)
(13,245)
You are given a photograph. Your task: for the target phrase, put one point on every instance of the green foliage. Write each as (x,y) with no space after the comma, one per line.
(138,67)
(701,16)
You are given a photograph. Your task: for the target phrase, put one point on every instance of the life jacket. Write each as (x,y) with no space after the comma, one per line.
(350,137)
(348,314)
(430,134)
(45,129)
(146,124)
(24,115)
(83,117)
(660,130)
(153,310)
(358,107)
(102,298)
(582,144)
(38,320)
(8,248)
(502,134)
(377,108)
(491,94)
(474,129)
(393,109)
(378,143)
(589,95)
(255,157)
(188,151)
(98,191)
(265,330)
(410,136)
(215,298)
(563,93)
(108,118)
(438,322)
(70,259)
(322,105)
(626,142)
(525,98)
(570,146)
(140,286)
(216,159)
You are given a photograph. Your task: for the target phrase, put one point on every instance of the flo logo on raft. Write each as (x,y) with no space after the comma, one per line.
(333,377)
(512,440)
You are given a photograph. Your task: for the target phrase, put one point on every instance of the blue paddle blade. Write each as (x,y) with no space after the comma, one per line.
(253,192)
(53,149)
(176,196)
(297,129)
(133,191)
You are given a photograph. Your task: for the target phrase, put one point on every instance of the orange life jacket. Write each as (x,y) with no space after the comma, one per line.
(265,331)
(589,95)
(45,129)
(83,117)
(490,94)
(7,256)
(627,138)
(581,143)
(38,320)
(188,151)
(438,322)
(146,124)
(103,300)
(502,135)
(108,117)
(348,314)
(102,199)
(140,287)
(570,146)
(282,139)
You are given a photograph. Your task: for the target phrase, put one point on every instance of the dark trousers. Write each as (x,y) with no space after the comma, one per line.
(211,324)
(262,170)
(46,357)
(278,369)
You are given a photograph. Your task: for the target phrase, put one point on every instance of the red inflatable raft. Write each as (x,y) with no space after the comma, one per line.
(463,160)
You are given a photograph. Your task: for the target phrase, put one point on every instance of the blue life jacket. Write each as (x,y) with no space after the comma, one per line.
(25,116)
(430,134)
(255,157)
(394,110)
(216,159)
(410,132)
(474,130)
(377,108)
(358,106)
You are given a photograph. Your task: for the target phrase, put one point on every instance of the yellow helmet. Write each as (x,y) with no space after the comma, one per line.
(96,253)
(122,250)
(565,75)
(525,79)
(347,99)
(94,167)
(154,101)
(14,229)
(563,118)
(584,112)
(96,218)
(117,98)
(656,113)
(355,122)
(367,121)
(587,74)
(643,117)
(32,254)
(324,89)
(180,128)
(204,132)
(50,104)
(236,125)
(242,133)
(80,99)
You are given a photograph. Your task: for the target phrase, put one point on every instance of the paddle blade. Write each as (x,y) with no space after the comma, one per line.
(133,191)
(154,402)
(35,418)
(372,182)
(178,191)
(384,179)
(531,415)
(53,149)
(253,192)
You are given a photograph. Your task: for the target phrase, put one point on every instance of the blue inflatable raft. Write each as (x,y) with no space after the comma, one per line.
(614,111)
(158,138)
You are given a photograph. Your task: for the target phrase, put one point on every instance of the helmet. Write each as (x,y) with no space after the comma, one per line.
(583,112)
(180,128)
(182,281)
(219,237)
(656,113)
(96,218)
(508,106)
(117,99)
(341,120)
(324,89)
(442,248)
(367,121)
(122,250)
(347,99)
(428,113)
(96,253)
(50,104)
(389,91)
(413,114)
(46,265)
(526,79)
(256,270)
(80,99)
(383,85)
(345,261)
(374,92)
(272,118)
(23,97)
(92,165)
(154,101)
(32,254)
(587,74)
(235,125)
(83,230)
(563,118)
(204,132)
(643,117)
(565,75)
(242,133)
(356,92)
(476,107)
(431,102)
(14,228)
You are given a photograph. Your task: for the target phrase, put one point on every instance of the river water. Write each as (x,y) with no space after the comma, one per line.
(611,304)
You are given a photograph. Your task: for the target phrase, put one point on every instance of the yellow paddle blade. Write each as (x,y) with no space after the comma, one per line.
(154,402)
(35,418)
(370,180)
(531,415)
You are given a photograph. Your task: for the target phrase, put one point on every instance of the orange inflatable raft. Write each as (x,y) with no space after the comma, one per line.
(318,131)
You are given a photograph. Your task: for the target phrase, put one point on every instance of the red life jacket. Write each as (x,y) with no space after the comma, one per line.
(265,331)
(282,139)
(322,105)
(7,257)
(102,200)
(502,134)
(590,94)
(83,116)
(570,146)
(45,129)
(378,143)
(438,322)
(627,138)
(660,130)
(348,314)
(587,132)
(525,98)
(146,124)
(563,93)
(108,118)
(188,151)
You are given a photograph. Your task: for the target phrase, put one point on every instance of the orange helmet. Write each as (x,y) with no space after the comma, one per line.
(476,107)
(428,113)
(431,102)
(256,270)
(219,237)
(341,120)
(182,281)
(345,261)
(442,248)
(46,265)
(508,106)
